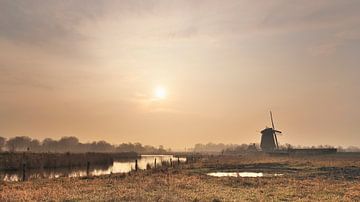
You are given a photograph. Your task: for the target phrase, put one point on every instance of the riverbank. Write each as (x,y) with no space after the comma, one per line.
(10,161)
(118,165)
(322,178)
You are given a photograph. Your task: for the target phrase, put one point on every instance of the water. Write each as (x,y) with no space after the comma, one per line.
(243,174)
(116,167)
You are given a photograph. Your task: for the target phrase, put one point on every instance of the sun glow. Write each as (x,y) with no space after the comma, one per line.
(160,92)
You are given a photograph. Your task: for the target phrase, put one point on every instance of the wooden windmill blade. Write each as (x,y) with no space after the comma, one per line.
(274,131)
(272,121)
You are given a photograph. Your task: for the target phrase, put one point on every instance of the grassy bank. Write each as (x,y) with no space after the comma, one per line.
(14,161)
(326,178)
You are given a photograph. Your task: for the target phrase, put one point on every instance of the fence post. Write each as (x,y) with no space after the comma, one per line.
(136,165)
(23,172)
(171,162)
(155,163)
(178,160)
(88,169)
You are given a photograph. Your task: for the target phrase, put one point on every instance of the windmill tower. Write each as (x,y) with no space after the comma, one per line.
(269,141)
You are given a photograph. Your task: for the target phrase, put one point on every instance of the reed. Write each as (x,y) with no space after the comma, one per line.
(14,161)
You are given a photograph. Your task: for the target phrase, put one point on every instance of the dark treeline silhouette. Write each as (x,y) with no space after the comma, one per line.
(216,148)
(72,144)
(243,148)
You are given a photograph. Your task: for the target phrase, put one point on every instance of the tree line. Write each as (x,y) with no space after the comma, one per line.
(72,144)
(243,148)
(225,148)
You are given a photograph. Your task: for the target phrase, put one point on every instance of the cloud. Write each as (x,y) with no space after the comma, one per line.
(187,32)
(324,49)
(11,79)
(311,15)
(56,25)
(39,22)
(349,34)
(334,42)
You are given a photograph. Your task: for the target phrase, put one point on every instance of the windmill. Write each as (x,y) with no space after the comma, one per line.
(269,140)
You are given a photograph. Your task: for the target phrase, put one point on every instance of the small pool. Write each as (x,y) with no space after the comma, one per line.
(243,174)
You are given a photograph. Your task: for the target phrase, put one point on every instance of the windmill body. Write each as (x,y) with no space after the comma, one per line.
(269,141)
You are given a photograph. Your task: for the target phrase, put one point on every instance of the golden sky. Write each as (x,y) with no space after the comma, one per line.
(178,73)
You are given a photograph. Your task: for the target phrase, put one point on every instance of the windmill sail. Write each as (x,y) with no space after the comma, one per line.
(274,131)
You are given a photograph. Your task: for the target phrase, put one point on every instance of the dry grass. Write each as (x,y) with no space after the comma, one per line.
(323,179)
(14,161)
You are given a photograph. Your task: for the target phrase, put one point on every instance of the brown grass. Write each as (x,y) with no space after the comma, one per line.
(14,161)
(329,178)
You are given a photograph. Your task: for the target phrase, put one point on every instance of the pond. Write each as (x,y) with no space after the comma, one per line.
(116,167)
(243,174)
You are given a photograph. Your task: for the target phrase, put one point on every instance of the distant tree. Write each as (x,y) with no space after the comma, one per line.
(138,147)
(352,149)
(49,145)
(125,147)
(161,149)
(19,143)
(199,147)
(288,146)
(72,144)
(67,144)
(340,149)
(35,145)
(101,146)
(211,147)
(2,143)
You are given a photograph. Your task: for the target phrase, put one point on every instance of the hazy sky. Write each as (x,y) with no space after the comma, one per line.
(90,68)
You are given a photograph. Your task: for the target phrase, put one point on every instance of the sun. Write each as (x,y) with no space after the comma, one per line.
(160,92)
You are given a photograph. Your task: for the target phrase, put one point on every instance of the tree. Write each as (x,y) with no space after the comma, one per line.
(68,143)
(49,145)
(35,145)
(2,143)
(101,146)
(161,149)
(19,143)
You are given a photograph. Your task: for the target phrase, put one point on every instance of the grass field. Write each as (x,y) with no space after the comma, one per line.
(318,178)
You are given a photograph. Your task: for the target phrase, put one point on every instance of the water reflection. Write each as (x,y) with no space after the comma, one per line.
(243,174)
(116,167)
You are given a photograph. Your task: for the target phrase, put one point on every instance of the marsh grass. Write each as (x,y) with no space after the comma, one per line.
(314,179)
(13,161)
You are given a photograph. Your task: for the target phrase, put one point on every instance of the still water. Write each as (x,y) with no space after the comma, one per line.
(243,174)
(116,167)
